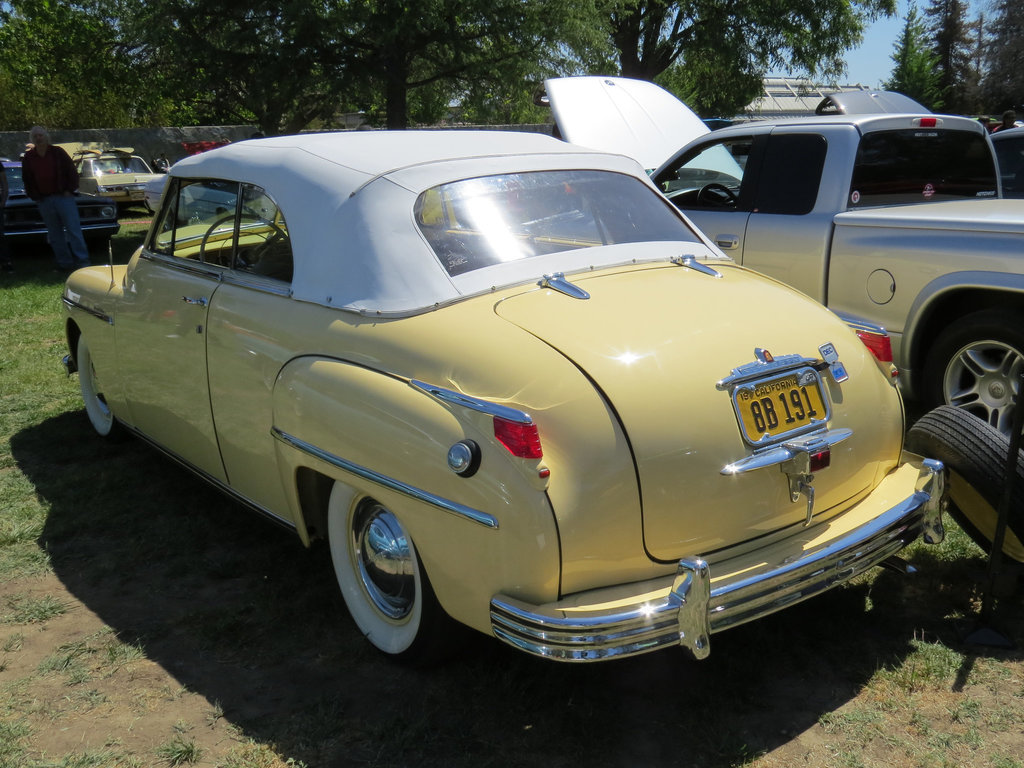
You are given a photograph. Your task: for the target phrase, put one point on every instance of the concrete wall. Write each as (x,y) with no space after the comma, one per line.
(148,142)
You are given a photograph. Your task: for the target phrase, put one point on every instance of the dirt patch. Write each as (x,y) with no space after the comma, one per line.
(173,624)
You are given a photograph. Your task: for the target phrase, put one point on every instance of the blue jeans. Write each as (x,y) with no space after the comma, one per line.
(60,213)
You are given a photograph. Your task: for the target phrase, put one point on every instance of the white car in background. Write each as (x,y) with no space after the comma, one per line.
(153,191)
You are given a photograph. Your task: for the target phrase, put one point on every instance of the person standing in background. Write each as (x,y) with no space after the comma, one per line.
(1009,121)
(5,259)
(52,181)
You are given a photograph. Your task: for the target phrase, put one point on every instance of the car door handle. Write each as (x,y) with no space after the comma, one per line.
(727,242)
(202,301)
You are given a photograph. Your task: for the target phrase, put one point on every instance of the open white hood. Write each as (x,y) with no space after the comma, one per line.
(616,114)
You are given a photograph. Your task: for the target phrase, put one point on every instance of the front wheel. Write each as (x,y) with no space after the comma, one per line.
(975,454)
(385,588)
(975,364)
(93,394)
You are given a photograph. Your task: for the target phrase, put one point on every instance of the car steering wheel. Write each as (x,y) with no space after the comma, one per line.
(716,194)
(277,234)
(210,231)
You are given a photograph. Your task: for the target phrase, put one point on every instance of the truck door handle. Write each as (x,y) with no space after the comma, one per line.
(201,301)
(727,242)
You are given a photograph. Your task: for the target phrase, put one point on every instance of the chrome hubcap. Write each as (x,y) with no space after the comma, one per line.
(983,379)
(383,558)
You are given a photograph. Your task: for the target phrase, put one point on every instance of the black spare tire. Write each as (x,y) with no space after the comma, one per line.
(975,454)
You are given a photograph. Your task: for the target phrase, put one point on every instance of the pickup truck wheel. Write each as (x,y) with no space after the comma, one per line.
(91,386)
(975,364)
(385,588)
(975,454)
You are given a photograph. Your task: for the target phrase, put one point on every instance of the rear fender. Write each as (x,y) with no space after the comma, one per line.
(384,438)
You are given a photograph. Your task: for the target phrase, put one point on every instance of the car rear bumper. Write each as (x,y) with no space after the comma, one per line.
(686,608)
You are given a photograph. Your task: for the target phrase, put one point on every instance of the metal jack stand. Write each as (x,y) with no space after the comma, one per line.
(984,634)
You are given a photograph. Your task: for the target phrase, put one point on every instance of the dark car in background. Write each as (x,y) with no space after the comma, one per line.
(23,224)
(1009,146)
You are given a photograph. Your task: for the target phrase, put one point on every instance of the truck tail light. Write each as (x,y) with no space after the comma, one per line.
(521,439)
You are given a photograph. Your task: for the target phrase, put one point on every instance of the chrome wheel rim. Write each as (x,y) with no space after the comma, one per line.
(983,378)
(384,561)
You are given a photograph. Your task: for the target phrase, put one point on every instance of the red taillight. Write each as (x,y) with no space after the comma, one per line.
(821,460)
(878,344)
(522,440)
(927,122)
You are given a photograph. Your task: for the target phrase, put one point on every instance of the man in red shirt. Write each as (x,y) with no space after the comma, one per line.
(52,181)
(5,259)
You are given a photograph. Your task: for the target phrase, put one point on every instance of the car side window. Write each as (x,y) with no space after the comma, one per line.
(713,178)
(264,247)
(197,221)
(224,223)
(790,173)
(1010,153)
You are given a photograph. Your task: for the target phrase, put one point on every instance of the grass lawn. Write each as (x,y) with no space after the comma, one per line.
(146,620)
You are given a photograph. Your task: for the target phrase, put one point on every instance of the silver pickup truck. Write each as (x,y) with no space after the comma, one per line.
(892,218)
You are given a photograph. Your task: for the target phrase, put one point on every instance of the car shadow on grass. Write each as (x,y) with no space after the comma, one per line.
(239,612)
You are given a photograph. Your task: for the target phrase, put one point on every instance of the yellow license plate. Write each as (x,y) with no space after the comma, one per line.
(772,408)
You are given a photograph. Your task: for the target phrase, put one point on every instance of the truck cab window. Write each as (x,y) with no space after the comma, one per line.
(712,178)
(791,173)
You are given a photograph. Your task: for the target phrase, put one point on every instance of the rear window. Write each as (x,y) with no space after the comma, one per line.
(919,165)
(478,222)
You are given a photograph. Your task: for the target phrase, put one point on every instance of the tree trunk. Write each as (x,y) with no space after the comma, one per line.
(396,95)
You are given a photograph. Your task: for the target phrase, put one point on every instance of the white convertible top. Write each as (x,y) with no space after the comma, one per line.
(348,200)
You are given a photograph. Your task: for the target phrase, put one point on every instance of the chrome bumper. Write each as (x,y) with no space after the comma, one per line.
(691,610)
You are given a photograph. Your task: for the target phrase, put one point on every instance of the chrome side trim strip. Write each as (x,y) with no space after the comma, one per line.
(69,304)
(860,324)
(212,271)
(474,515)
(474,403)
(684,609)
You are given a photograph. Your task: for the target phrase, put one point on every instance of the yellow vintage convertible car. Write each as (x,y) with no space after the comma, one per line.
(508,383)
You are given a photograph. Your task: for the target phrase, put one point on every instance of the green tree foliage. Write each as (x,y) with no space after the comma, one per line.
(65,65)
(1003,84)
(712,86)
(915,73)
(952,46)
(715,54)
(455,48)
(263,61)
(752,36)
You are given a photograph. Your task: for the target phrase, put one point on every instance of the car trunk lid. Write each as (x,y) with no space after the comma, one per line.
(664,384)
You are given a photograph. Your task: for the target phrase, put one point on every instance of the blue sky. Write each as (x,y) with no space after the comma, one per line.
(872,63)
